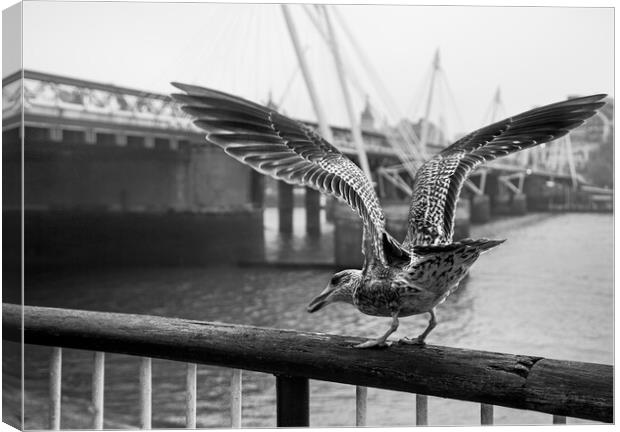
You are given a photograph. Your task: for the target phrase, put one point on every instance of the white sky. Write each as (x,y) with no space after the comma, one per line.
(536,54)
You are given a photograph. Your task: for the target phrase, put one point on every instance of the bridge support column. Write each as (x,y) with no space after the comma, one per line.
(313,212)
(462,219)
(480,209)
(257,189)
(330,208)
(347,237)
(519,204)
(285,207)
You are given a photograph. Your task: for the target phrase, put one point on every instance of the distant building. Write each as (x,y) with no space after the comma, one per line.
(598,128)
(435,141)
(271,103)
(435,134)
(594,133)
(367,118)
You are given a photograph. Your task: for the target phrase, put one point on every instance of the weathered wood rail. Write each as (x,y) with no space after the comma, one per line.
(561,388)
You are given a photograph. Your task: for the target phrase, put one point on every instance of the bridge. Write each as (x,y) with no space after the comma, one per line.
(98,153)
(163,169)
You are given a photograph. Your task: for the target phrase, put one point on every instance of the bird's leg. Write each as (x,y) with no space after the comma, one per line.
(380,342)
(429,328)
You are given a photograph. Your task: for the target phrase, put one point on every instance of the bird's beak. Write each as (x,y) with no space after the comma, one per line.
(320,301)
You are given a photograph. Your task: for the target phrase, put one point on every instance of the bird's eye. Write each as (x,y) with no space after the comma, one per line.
(335,279)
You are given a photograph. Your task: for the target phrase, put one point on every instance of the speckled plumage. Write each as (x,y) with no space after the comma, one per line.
(396,280)
(439,181)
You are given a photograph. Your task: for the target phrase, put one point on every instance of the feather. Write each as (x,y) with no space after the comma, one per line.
(287,150)
(439,181)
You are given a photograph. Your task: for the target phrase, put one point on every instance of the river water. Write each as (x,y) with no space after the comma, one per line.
(547,291)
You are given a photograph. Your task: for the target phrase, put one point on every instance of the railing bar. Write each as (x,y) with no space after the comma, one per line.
(146,392)
(421,410)
(486,414)
(235,398)
(361,397)
(98,389)
(558,419)
(55,388)
(585,389)
(190,396)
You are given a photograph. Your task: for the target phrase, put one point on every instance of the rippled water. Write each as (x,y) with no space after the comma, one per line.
(547,291)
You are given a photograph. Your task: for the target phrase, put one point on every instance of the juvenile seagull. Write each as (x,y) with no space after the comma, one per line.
(397,280)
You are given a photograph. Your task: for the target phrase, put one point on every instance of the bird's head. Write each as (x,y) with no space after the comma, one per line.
(339,289)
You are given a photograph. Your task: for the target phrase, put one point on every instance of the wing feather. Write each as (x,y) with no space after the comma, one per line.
(439,181)
(282,148)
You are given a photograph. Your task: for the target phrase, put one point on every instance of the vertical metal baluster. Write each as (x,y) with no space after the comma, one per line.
(558,419)
(98,383)
(361,396)
(146,392)
(190,396)
(235,398)
(486,414)
(55,386)
(421,410)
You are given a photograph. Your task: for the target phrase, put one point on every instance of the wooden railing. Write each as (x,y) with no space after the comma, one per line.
(560,388)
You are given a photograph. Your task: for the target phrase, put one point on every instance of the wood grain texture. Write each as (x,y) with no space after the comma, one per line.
(574,389)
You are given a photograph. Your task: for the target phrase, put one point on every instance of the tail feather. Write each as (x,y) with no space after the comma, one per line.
(482,245)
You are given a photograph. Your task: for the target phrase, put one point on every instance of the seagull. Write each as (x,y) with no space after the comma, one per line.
(397,279)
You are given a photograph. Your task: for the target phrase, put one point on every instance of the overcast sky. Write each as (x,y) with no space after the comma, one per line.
(536,54)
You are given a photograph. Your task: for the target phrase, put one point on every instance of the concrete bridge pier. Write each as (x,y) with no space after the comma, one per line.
(285,208)
(510,196)
(313,212)
(257,189)
(518,206)
(347,237)
(480,205)
(480,208)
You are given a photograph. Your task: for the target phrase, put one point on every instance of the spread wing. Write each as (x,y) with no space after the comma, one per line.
(439,181)
(287,150)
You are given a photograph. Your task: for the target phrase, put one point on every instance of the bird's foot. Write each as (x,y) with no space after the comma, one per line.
(414,341)
(375,343)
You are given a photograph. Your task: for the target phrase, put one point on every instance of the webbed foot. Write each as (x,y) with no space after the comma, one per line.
(414,341)
(375,343)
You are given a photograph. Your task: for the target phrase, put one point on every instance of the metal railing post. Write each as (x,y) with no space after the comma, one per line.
(98,389)
(361,397)
(293,401)
(235,398)
(486,414)
(55,388)
(558,419)
(421,410)
(146,392)
(190,396)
